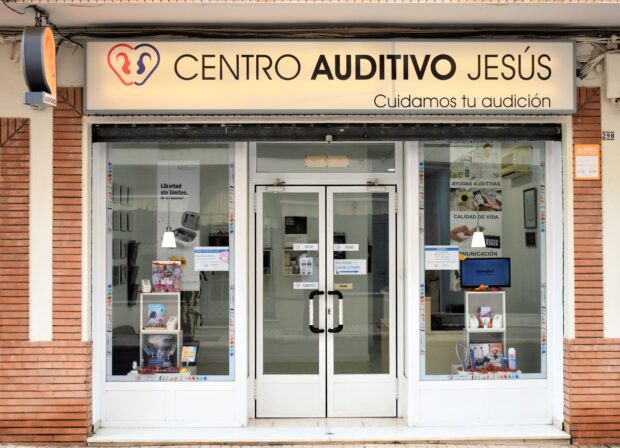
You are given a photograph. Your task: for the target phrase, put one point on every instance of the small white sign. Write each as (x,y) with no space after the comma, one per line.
(211,258)
(350,267)
(305,246)
(346,247)
(305,285)
(441,258)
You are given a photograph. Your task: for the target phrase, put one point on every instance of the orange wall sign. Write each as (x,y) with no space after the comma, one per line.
(587,162)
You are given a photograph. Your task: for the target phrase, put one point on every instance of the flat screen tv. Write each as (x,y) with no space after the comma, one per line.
(492,272)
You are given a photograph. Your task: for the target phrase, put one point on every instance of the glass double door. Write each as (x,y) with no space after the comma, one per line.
(325,301)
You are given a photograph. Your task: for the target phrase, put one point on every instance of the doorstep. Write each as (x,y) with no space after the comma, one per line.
(330,431)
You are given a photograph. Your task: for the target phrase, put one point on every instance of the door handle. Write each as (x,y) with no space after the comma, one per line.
(313,329)
(340,326)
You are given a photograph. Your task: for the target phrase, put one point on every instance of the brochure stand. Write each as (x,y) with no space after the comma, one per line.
(161,337)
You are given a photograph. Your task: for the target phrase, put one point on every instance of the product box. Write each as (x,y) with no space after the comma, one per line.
(496,351)
(166,276)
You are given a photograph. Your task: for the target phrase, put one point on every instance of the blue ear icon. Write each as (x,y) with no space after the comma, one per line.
(146,67)
(141,66)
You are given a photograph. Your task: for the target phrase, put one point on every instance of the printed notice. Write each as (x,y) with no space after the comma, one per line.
(306,265)
(346,247)
(587,162)
(441,258)
(211,259)
(305,246)
(305,285)
(350,267)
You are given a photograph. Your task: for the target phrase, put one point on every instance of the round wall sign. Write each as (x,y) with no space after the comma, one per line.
(39,59)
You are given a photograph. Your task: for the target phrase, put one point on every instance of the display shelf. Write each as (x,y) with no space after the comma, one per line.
(158,331)
(160,346)
(487,330)
(495,304)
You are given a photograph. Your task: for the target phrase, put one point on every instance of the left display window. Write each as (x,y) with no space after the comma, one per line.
(170,262)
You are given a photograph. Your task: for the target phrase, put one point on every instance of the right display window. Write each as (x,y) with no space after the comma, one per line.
(483,304)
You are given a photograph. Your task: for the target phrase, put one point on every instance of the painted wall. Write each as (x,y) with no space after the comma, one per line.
(610,121)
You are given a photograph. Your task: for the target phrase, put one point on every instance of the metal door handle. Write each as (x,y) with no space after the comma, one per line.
(340,326)
(313,329)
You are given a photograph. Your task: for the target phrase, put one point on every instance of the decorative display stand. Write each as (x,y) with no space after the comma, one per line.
(171,302)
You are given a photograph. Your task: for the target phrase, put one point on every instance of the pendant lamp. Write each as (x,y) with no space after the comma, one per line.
(477,239)
(168,241)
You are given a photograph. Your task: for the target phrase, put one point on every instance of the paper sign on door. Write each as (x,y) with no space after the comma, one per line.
(305,285)
(346,247)
(350,267)
(305,246)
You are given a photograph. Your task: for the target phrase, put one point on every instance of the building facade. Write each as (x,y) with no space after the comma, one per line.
(333,206)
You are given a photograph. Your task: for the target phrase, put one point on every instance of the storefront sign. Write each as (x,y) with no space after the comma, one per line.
(331,76)
(38,54)
(587,162)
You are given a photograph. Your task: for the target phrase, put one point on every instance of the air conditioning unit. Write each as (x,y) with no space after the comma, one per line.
(517,162)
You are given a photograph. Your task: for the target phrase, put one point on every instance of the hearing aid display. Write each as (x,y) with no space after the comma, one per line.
(187,234)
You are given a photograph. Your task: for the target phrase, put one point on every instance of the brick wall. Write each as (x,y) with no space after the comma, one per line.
(67,209)
(592,363)
(45,387)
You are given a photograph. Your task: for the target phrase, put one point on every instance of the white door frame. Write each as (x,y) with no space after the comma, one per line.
(359,179)
(357,395)
(348,395)
(304,392)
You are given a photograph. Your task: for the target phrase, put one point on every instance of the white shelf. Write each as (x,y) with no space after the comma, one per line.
(172,302)
(497,301)
(158,331)
(486,330)
(159,293)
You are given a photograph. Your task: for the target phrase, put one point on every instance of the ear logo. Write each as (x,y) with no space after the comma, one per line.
(133,65)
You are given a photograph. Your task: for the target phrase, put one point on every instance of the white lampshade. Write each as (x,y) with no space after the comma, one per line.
(477,239)
(168,241)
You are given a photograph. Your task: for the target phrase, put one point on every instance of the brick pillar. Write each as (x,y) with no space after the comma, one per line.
(45,387)
(591,362)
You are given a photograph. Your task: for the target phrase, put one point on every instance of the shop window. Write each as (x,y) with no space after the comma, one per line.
(483,260)
(183,329)
(325,158)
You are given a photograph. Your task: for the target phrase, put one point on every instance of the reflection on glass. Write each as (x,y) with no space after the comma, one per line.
(288,345)
(362,219)
(193,182)
(470,183)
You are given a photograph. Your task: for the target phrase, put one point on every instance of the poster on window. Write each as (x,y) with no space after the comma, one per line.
(178,206)
(475,199)
(295,231)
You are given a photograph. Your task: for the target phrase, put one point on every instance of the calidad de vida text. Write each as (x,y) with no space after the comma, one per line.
(520,66)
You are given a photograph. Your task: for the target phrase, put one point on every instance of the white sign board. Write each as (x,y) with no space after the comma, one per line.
(211,258)
(305,285)
(350,267)
(336,76)
(441,258)
(305,246)
(346,247)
